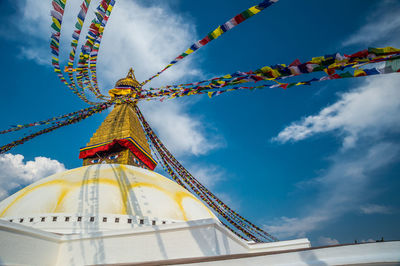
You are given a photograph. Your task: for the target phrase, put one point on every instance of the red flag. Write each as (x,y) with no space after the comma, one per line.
(204,41)
(335,76)
(330,71)
(57,8)
(84,7)
(239,18)
(295,63)
(363,53)
(284,86)
(104,4)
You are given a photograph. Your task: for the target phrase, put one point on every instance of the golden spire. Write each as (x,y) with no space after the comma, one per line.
(120,138)
(131,74)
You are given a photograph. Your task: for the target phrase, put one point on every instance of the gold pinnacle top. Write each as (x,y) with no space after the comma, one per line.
(129,80)
(126,86)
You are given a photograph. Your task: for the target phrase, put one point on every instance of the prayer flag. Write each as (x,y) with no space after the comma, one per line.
(61,3)
(58,8)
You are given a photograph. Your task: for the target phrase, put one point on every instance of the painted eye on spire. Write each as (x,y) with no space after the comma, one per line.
(95,161)
(113,157)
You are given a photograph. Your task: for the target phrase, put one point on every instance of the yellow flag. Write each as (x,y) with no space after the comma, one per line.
(254,10)
(56,22)
(189,51)
(217,32)
(317,60)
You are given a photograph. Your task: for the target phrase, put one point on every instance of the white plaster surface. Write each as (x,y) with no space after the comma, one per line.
(185,241)
(100,191)
(192,239)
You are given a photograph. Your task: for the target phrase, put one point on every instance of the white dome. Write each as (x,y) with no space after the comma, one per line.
(100,191)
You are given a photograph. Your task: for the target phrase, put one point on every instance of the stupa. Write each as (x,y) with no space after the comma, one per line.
(116,210)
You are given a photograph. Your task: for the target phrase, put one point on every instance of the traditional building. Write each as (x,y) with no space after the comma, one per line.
(116,210)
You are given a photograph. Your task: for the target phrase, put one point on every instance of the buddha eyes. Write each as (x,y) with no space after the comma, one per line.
(113,157)
(95,161)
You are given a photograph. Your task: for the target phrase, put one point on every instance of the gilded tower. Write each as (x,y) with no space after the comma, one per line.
(120,138)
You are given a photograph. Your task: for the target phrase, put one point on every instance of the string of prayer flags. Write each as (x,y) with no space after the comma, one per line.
(57,15)
(89,51)
(47,121)
(80,68)
(68,121)
(74,43)
(244,228)
(86,75)
(329,64)
(93,54)
(88,56)
(388,69)
(230,24)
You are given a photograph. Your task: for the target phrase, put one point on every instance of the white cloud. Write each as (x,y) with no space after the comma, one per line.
(209,175)
(212,176)
(368,110)
(375,209)
(370,240)
(341,189)
(37,31)
(35,19)
(327,241)
(231,200)
(36,55)
(14,172)
(145,37)
(382,26)
(181,132)
(285,227)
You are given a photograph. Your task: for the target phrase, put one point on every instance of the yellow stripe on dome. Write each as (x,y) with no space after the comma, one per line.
(61,182)
(68,186)
(60,199)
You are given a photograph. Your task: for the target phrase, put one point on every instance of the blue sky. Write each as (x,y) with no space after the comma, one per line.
(317,161)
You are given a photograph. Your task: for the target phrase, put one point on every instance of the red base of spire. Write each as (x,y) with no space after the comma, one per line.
(125,143)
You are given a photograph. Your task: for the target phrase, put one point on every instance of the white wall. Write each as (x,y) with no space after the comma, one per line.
(183,240)
(20,245)
(191,242)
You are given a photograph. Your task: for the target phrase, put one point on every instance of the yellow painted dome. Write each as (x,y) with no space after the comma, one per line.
(106,189)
